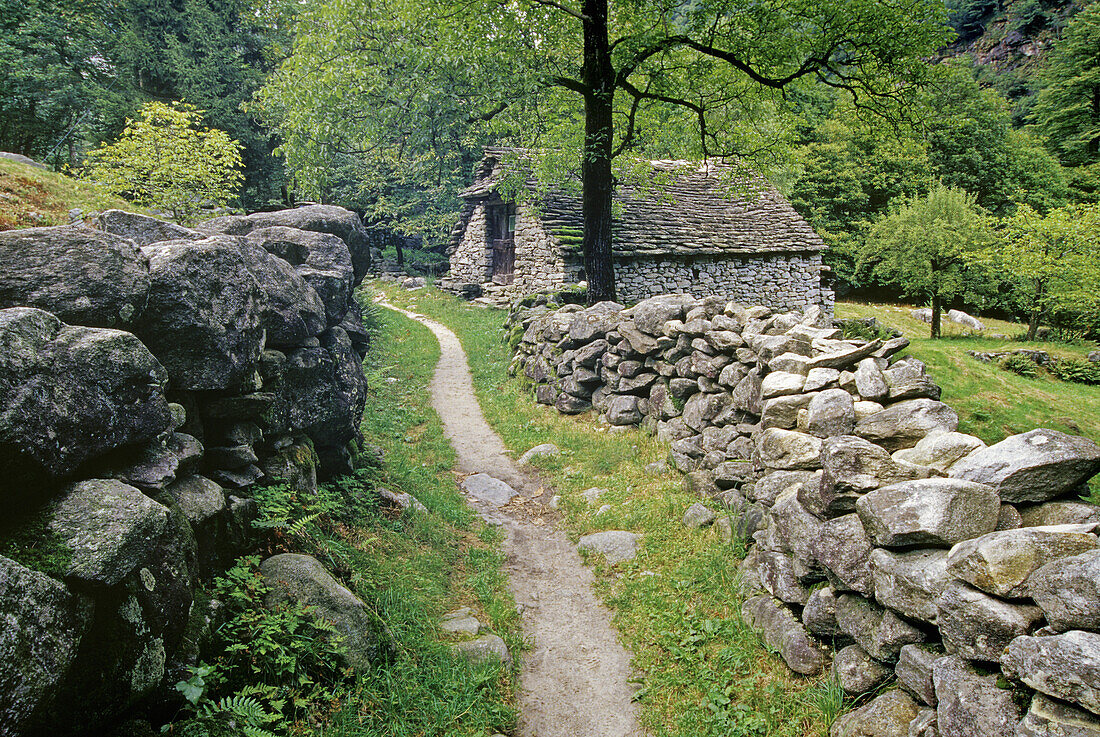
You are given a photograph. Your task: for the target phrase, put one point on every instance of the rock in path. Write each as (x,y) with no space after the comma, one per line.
(545,450)
(485,488)
(616,546)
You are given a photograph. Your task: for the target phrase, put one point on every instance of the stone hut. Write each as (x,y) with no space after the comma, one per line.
(703,230)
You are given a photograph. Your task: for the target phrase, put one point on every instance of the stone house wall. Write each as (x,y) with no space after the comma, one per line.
(472,259)
(886,546)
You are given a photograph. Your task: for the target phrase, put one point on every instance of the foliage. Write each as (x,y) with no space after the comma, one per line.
(1055,259)
(167,160)
(1020,365)
(26,538)
(921,247)
(1075,370)
(32,197)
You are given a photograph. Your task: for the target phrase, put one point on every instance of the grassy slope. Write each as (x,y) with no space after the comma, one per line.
(675,605)
(32,197)
(993,403)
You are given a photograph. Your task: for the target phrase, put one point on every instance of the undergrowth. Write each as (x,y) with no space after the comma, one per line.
(702,672)
(279,670)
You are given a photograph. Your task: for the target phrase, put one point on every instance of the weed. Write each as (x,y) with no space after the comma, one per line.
(1020,365)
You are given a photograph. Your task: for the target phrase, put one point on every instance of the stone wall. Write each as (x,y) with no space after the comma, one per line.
(471,261)
(887,546)
(150,375)
(779,281)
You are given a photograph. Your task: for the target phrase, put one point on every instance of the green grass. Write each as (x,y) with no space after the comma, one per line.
(993,403)
(675,606)
(32,197)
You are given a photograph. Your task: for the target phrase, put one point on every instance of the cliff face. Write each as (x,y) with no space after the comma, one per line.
(150,375)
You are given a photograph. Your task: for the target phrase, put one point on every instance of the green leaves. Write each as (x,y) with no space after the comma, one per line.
(168,161)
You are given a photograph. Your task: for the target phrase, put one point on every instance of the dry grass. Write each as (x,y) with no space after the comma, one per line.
(31,197)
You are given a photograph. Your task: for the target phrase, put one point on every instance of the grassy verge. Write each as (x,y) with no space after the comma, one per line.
(32,197)
(409,567)
(675,605)
(993,403)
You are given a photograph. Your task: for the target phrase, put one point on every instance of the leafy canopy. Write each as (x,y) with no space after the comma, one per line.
(169,161)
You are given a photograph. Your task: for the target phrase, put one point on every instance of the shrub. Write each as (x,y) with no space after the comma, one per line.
(1077,371)
(1019,364)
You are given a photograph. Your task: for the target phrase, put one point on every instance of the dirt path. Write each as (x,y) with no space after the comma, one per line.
(573,682)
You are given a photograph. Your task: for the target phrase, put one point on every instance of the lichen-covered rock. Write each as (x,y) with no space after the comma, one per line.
(1032,467)
(940,451)
(302,579)
(853,466)
(111,529)
(779,577)
(781,383)
(1001,562)
(782,412)
(798,529)
(831,413)
(979,627)
(934,512)
(624,410)
(870,381)
(888,715)
(154,465)
(914,671)
(904,424)
(1068,591)
(322,260)
(909,582)
(785,634)
(844,550)
(81,275)
(1049,718)
(143,230)
(203,318)
(970,703)
(701,408)
(788,450)
(292,309)
(650,315)
(1065,666)
(819,614)
(71,394)
(857,672)
(1059,513)
(769,488)
(877,630)
(43,623)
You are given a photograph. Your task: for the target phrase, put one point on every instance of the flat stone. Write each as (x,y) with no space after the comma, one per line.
(785,634)
(1034,466)
(980,627)
(769,488)
(466,625)
(940,451)
(787,450)
(484,487)
(1065,667)
(888,715)
(903,424)
(845,358)
(782,412)
(545,450)
(820,378)
(484,648)
(779,383)
(1049,718)
(933,512)
(970,703)
(616,546)
(910,583)
(1001,562)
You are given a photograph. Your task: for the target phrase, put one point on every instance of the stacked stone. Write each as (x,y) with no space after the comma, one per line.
(926,557)
(149,376)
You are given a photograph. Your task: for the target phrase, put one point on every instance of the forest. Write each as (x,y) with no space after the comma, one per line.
(860,112)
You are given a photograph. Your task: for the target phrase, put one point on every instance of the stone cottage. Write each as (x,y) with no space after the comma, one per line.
(694,229)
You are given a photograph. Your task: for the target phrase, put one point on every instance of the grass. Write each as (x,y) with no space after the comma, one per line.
(676,606)
(993,403)
(31,197)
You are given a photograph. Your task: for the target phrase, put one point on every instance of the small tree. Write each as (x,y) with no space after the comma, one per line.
(921,246)
(1055,256)
(169,161)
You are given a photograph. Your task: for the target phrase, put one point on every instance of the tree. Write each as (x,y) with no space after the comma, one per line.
(724,67)
(168,161)
(922,246)
(1056,257)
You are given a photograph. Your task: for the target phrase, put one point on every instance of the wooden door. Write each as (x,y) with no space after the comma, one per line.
(501,227)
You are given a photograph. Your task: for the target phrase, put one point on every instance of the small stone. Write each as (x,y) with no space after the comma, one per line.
(820,378)
(888,715)
(486,647)
(857,672)
(483,487)
(546,450)
(870,382)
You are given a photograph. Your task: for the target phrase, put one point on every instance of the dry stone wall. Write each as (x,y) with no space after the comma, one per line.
(150,376)
(886,545)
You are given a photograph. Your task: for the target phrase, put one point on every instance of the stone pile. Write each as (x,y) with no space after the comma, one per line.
(149,376)
(965,573)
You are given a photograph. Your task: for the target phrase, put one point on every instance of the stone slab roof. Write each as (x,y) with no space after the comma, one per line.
(686,209)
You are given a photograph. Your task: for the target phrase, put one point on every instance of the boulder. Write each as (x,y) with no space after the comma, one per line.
(910,583)
(1059,513)
(970,703)
(44,623)
(83,276)
(853,466)
(485,488)
(877,630)
(650,315)
(1000,563)
(968,321)
(870,381)
(932,512)
(940,451)
(302,579)
(888,715)
(203,320)
(914,671)
(747,394)
(325,390)
(844,550)
(616,546)
(858,673)
(344,224)
(1049,718)
(980,627)
(1068,591)
(111,529)
(905,423)
(798,530)
(71,394)
(785,634)
(831,413)
(1065,667)
(143,230)
(292,310)
(323,261)
(786,450)
(625,410)
(701,408)
(1034,466)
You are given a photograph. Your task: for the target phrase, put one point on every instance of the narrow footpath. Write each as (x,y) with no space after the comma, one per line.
(574,680)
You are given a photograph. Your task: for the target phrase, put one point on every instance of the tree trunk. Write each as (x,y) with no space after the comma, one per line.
(1036,311)
(1094,141)
(597,181)
(937,308)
